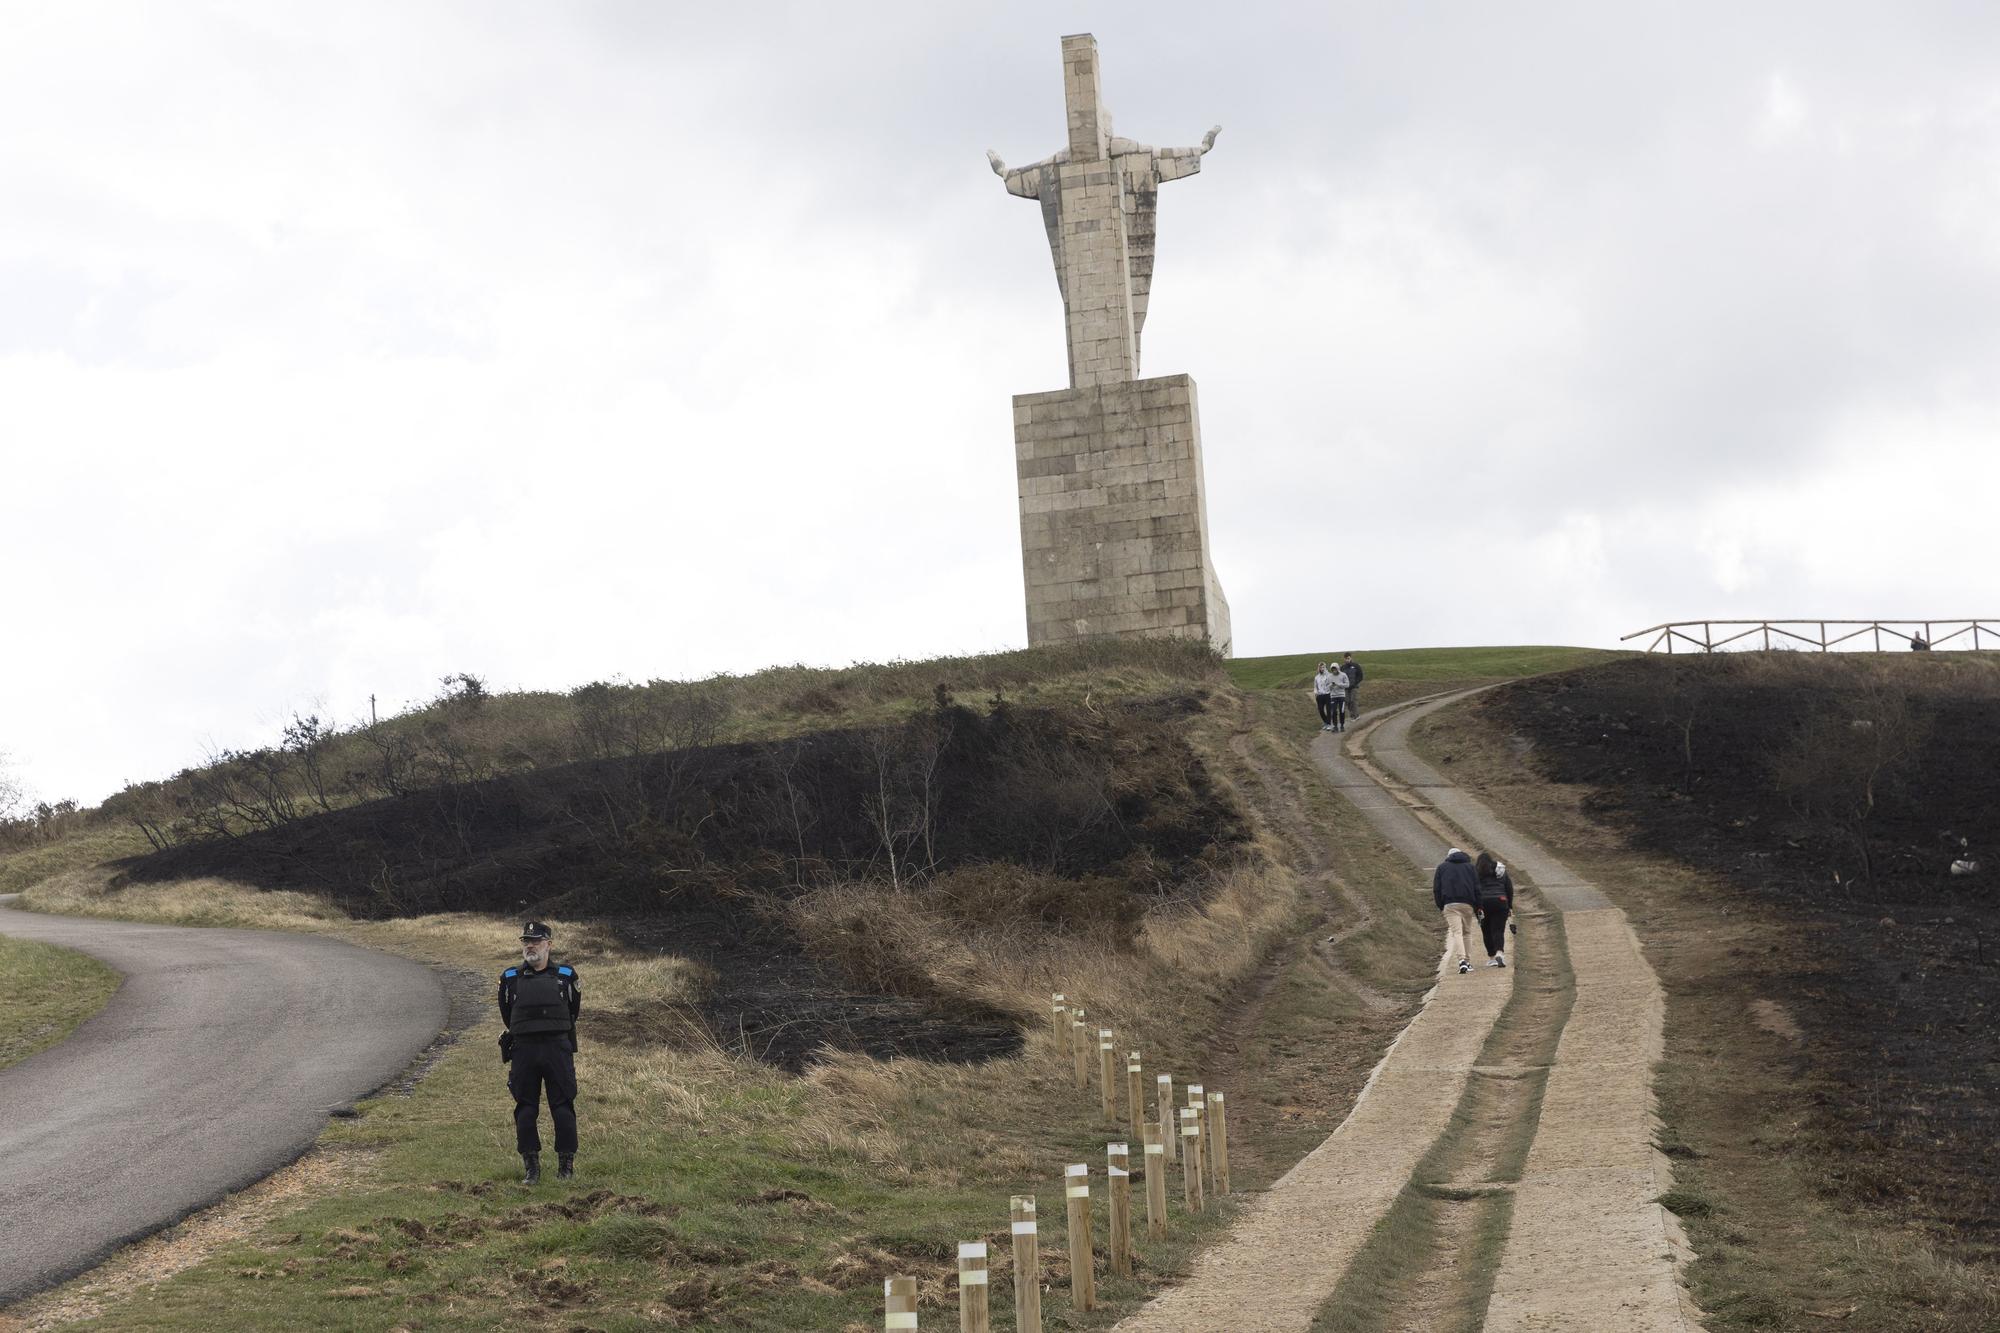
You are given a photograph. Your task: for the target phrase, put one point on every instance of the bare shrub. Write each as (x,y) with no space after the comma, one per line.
(1847,754)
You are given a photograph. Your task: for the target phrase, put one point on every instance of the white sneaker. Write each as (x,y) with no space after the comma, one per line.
(1495,962)
(1500,959)
(1464,966)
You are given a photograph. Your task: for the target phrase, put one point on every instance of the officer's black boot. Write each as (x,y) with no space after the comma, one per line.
(565,1165)
(533,1163)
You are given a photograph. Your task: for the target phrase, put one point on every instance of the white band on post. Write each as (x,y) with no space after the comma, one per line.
(1079,1191)
(899,1320)
(1024,1228)
(1156,1148)
(972,1277)
(972,1249)
(1077,1171)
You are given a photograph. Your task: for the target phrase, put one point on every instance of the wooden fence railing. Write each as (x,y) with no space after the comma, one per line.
(1902,634)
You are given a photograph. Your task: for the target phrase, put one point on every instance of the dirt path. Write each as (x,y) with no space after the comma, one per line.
(1588,1189)
(1294,1243)
(1560,1116)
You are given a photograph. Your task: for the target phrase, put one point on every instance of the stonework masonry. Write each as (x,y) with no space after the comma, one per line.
(1114,529)
(1114,519)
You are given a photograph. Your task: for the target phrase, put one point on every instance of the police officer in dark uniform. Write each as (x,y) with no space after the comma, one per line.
(539,1002)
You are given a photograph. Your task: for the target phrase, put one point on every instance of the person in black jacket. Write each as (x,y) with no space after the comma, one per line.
(1496,900)
(1352,670)
(1455,889)
(539,1003)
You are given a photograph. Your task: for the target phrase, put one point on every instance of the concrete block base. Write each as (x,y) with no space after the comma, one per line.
(1114,515)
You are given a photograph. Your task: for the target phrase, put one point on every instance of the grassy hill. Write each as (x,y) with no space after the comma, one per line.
(819,914)
(1400,667)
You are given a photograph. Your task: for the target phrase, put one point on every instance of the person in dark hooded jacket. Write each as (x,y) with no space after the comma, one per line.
(1455,889)
(1496,900)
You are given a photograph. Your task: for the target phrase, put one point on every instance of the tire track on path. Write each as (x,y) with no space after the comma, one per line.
(1295,1242)
(1588,1191)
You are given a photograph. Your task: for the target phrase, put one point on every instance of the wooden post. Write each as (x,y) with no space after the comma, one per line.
(1205,1117)
(1059,1018)
(1027,1267)
(972,1285)
(899,1302)
(1218,1140)
(1878,637)
(1118,1159)
(1169,1127)
(1767,638)
(1156,1183)
(1135,1092)
(1082,1278)
(1191,1161)
(1080,1048)
(1197,1099)
(1107,1076)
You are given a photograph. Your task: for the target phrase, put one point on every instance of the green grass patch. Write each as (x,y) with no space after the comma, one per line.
(54,990)
(28,866)
(1442,665)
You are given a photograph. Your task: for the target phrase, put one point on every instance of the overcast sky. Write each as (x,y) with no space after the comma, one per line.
(346,346)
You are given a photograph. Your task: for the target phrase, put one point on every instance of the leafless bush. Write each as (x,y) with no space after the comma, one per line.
(903,804)
(1846,755)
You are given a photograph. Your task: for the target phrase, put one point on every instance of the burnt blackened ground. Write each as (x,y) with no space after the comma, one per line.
(774,1002)
(1891,975)
(1067,820)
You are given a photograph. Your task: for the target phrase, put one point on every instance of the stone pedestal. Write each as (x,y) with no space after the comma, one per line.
(1114,516)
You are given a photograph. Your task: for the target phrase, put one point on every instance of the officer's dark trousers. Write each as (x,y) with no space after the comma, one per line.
(546,1063)
(1494,927)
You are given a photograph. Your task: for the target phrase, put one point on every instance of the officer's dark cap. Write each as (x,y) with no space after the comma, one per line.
(537,930)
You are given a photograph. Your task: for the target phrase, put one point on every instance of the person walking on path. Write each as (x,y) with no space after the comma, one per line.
(539,1002)
(1496,901)
(1455,889)
(1352,670)
(1323,696)
(1339,700)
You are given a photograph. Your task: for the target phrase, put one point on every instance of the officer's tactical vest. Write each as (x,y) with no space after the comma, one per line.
(539,1003)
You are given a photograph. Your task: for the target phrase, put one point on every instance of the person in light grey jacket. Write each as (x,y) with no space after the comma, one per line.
(1339,693)
(1323,696)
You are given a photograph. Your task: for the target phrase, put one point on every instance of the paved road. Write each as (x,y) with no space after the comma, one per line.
(217,1062)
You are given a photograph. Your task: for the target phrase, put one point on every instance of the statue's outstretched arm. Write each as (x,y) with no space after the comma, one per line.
(1023,181)
(1174,163)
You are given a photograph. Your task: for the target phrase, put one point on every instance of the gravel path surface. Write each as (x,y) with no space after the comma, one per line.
(1294,1243)
(218,1061)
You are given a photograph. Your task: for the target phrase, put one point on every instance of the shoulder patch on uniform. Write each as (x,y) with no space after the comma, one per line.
(512,971)
(566,971)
